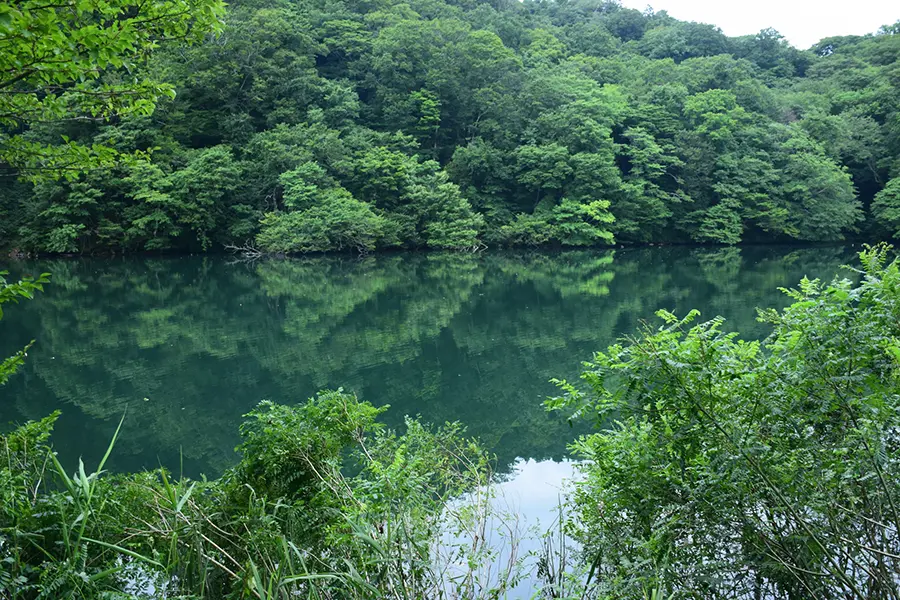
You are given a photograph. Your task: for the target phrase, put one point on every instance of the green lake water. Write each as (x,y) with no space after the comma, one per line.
(184,346)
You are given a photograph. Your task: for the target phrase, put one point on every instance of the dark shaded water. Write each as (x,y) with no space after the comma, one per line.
(185,346)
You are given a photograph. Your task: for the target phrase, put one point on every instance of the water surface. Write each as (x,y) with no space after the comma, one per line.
(184,346)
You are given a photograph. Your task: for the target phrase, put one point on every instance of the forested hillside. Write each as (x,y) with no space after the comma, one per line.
(312,125)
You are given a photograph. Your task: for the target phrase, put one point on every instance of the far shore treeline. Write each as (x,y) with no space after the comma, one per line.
(298,126)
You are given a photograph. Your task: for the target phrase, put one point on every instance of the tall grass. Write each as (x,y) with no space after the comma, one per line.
(416,520)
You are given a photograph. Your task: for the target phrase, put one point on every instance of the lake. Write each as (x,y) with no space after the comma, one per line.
(183,346)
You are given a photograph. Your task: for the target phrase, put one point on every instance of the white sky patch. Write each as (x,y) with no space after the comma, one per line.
(802,22)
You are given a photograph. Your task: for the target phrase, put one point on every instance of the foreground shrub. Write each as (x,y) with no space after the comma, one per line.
(13,292)
(324,503)
(738,469)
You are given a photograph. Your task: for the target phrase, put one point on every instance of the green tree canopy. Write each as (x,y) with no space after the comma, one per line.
(79,60)
(689,135)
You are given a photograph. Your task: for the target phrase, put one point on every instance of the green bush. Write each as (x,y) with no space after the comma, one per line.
(336,222)
(324,503)
(744,469)
(569,223)
(13,292)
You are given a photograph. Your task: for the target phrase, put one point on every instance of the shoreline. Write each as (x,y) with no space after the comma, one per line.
(15,255)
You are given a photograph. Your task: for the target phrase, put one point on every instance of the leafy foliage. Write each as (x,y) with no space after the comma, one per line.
(745,469)
(286,520)
(13,292)
(886,207)
(336,221)
(437,125)
(54,59)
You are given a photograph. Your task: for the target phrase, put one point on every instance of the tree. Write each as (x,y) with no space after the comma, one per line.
(380,176)
(447,219)
(543,49)
(650,188)
(336,221)
(590,38)
(886,207)
(543,167)
(820,195)
(153,218)
(771,51)
(54,61)
(681,41)
(625,23)
(570,223)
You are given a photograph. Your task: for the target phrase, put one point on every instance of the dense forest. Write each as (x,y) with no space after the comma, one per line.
(316,125)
